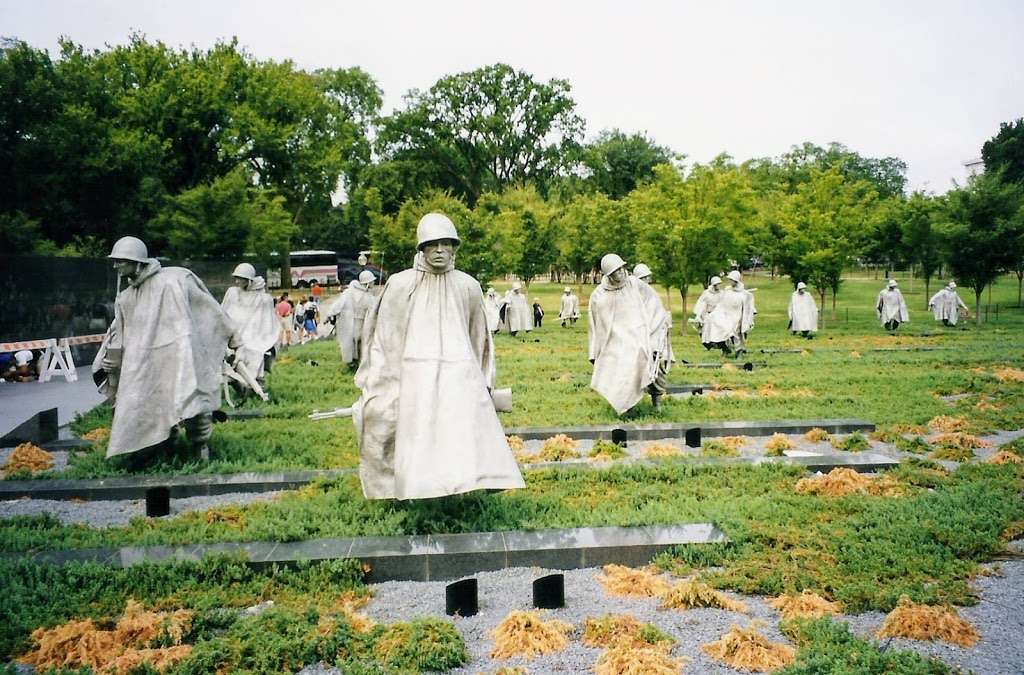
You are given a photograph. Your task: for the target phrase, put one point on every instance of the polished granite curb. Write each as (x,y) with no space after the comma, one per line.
(430,557)
(187,485)
(862,462)
(648,432)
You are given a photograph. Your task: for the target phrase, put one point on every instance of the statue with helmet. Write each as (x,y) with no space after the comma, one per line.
(426,421)
(515,310)
(257,330)
(803,312)
(628,338)
(160,361)
(732,318)
(891,307)
(569,310)
(348,312)
(706,303)
(947,306)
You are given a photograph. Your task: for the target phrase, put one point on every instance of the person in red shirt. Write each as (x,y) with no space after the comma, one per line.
(317,292)
(284,314)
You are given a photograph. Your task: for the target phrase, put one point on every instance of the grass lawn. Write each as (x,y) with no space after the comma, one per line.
(862,550)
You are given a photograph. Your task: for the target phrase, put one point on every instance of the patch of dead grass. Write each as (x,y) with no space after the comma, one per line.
(28,457)
(527,635)
(805,605)
(928,622)
(691,593)
(629,582)
(841,481)
(747,649)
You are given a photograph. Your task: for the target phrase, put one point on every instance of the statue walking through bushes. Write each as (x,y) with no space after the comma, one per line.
(160,362)
(425,421)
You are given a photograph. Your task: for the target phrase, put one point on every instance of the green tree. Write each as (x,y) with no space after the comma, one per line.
(589,226)
(686,227)
(524,231)
(986,228)
(1005,151)
(226,218)
(826,222)
(617,162)
(485,130)
(922,231)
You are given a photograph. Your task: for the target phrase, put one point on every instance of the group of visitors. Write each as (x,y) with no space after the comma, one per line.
(298,321)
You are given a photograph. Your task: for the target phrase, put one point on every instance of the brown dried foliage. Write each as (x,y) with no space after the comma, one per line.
(525,634)
(691,593)
(806,605)
(927,622)
(623,660)
(842,481)
(817,435)
(746,649)
(29,457)
(628,582)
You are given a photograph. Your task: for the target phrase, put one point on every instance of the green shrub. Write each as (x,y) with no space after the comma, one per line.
(916,445)
(607,449)
(717,449)
(855,442)
(827,646)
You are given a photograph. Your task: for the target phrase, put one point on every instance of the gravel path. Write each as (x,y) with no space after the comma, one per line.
(998,617)
(103,514)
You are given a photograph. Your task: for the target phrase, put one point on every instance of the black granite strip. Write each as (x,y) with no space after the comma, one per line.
(688,388)
(430,557)
(646,432)
(738,364)
(190,485)
(863,462)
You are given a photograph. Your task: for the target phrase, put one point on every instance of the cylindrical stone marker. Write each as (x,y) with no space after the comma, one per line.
(549,592)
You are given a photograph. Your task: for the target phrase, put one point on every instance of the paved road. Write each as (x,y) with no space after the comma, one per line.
(21,400)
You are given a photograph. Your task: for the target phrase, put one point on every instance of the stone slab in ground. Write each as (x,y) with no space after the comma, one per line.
(707,429)
(431,557)
(188,485)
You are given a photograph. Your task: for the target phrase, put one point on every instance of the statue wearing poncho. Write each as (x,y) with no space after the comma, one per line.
(350,309)
(160,361)
(569,308)
(425,422)
(492,308)
(946,305)
(251,309)
(627,338)
(891,307)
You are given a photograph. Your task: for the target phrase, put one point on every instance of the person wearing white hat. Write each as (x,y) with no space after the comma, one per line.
(161,360)
(257,328)
(628,338)
(803,312)
(493,308)
(946,305)
(707,301)
(516,310)
(425,422)
(569,310)
(891,307)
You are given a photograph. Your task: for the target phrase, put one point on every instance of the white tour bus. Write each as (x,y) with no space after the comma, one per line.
(307,267)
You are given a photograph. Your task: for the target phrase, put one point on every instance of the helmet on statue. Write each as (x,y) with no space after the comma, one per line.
(611,262)
(129,248)
(434,226)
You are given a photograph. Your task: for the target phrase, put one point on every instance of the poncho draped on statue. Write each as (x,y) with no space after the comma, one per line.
(946,305)
(170,335)
(891,306)
(493,311)
(803,312)
(706,303)
(518,315)
(350,308)
(627,326)
(725,320)
(426,423)
(257,328)
(570,307)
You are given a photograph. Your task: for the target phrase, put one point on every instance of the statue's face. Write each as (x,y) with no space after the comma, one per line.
(618,276)
(240,282)
(127,268)
(800,291)
(438,254)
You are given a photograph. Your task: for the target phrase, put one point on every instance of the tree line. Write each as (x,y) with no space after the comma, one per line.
(217,153)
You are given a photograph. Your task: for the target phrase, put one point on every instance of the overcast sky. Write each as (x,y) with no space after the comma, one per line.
(927,81)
